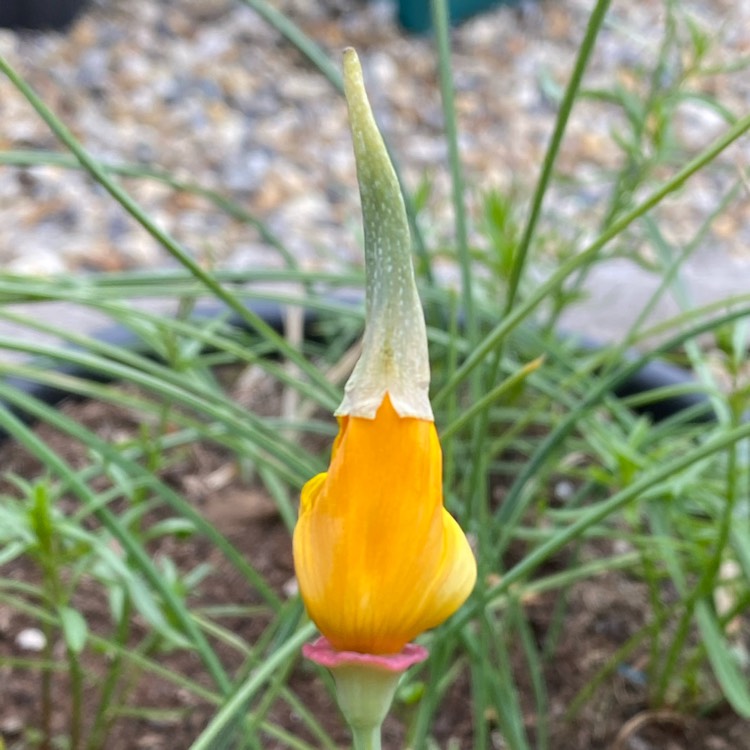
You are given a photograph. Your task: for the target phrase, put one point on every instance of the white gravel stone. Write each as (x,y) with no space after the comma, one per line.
(37,262)
(31,639)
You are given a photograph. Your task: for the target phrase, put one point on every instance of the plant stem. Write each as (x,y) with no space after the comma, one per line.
(46,691)
(440,19)
(103,720)
(235,704)
(553,149)
(366,738)
(76,710)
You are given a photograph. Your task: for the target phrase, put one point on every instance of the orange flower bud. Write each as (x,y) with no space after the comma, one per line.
(378,558)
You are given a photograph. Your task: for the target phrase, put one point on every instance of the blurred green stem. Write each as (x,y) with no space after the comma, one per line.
(104,713)
(293,34)
(571,92)
(442,35)
(46,688)
(235,703)
(45,554)
(366,738)
(76,690)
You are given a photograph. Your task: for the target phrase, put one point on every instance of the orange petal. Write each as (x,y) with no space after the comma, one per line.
(378,558)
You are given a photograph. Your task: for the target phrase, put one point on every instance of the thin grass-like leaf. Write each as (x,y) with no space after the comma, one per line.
(235,706)
(110,453)
(131,545)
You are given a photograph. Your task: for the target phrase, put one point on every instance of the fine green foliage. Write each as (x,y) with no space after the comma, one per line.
(558,481)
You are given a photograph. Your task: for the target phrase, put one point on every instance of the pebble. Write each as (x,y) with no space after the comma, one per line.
(290,588)
(31,639)
(564,490)
(37,261)
(247,170)
(11,726)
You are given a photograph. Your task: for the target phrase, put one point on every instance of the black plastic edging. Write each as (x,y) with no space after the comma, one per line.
(655,374)
(39,14)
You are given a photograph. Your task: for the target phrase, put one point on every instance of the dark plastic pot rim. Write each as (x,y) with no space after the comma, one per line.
(653,375)
(33,15)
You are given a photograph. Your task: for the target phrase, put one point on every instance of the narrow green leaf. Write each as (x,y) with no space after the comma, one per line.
(74,628)
(733,682)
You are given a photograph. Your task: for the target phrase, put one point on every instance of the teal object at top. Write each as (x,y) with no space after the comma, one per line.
(415,16)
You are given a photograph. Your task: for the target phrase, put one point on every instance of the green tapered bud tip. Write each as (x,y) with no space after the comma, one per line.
(354,89)
(373,163)
(394,355)
(352,70)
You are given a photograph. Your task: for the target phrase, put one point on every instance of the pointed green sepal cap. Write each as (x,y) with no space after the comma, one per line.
(394,356)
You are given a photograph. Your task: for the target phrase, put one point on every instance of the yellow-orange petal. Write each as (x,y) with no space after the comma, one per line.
(378,558)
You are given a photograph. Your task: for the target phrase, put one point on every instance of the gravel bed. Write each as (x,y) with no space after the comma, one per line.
(207,90)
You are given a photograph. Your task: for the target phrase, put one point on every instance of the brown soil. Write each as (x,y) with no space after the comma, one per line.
(601,614)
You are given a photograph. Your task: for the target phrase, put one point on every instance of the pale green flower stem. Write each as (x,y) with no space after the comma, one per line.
(364,695)
(366,738)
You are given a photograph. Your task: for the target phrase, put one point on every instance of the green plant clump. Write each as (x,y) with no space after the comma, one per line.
(559,482)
